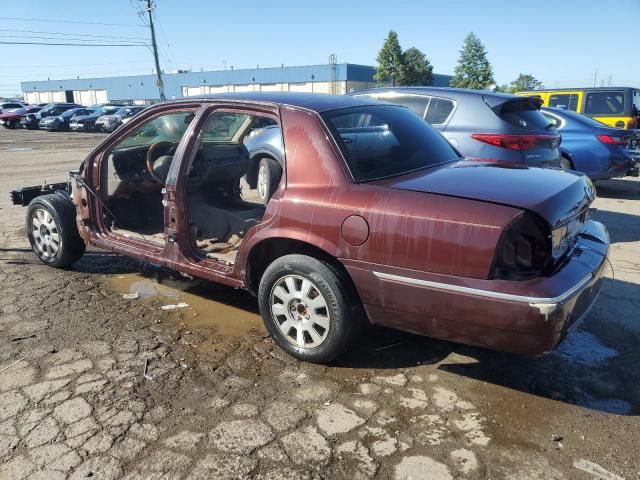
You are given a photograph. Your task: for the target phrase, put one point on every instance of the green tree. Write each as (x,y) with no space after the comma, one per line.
(418,69)
(390,62)
(473,69)
(524,82)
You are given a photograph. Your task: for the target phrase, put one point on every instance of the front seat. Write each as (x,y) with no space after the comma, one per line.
(161,167)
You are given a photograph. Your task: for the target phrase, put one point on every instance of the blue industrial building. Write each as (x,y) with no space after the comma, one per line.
(328,78)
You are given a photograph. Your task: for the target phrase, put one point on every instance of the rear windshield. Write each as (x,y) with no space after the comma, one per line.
(385,141)
(524,115)
(583,119)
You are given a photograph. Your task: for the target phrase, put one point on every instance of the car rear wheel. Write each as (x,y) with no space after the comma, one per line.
(269,174)
(52,230)
(566,163)
(308,308)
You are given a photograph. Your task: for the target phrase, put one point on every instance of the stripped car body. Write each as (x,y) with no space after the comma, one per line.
(487,254)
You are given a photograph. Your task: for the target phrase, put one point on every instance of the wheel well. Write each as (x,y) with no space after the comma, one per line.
(264,253)
(252,174)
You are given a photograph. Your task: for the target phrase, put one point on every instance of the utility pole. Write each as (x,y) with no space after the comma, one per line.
(155,51)
(595,77)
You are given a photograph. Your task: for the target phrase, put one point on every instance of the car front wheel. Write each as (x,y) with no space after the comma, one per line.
(309,308)
(52,230)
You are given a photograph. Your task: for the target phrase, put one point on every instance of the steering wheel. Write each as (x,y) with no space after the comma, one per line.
(156,151)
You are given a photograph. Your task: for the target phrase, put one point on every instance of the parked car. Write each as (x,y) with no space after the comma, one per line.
(61,122)
(108,123)
(9,106)
(266,151)
(87,123)
(31,120)
(11,119)
(376,216)
(617,107)
(591,147)
(482,124)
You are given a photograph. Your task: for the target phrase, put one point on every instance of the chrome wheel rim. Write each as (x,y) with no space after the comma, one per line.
(46,234)
(565,164)
(262,181)
(299,311)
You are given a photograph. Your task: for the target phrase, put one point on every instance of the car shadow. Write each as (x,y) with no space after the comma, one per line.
(618,225)
(595,367)
(618,188)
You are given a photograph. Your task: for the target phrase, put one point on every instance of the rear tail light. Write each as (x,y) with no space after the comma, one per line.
(611,140)
(524,249)
(518,142)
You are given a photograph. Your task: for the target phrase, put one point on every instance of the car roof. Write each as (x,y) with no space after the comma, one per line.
(450,92)
(318,102)
(581,89)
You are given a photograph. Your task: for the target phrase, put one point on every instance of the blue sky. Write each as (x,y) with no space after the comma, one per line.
(562,43)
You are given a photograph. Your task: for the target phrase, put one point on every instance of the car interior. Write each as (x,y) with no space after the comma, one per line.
(220,206)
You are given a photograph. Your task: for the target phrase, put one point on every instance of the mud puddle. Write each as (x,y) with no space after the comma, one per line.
(216,308)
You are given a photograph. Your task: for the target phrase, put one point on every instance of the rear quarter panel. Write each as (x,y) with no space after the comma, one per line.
(412,230)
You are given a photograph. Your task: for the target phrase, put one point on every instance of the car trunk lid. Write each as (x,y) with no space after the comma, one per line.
(554,194)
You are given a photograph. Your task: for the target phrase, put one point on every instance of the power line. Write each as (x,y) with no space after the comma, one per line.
(78,44)
(72,34)
(71,21)
(74,39)
(75,64)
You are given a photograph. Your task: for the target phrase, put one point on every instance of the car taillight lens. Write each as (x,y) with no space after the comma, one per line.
(518,142)
(611,140)
(524,250)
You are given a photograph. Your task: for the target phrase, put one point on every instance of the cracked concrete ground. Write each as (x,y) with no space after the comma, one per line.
(221,401)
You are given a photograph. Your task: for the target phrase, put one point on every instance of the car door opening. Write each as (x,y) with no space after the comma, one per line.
(135,172)
(221,207)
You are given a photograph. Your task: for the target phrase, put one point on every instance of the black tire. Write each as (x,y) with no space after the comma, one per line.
(56,214)
(566,163)
(269,172)
(343,312)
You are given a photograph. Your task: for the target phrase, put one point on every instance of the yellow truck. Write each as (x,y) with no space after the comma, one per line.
(615,106)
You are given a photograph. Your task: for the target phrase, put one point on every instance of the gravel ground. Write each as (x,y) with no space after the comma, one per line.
(219,400)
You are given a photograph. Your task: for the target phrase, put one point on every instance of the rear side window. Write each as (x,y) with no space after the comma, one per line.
(524,115)
(439,111)
(566,100)
(415,102)
(604,103)
(385,141)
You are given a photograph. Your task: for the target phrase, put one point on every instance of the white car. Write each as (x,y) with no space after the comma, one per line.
(108,123)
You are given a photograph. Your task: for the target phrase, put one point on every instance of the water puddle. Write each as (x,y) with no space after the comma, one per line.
(223,310)
(584,348)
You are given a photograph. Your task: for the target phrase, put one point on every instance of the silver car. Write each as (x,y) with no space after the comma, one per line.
(109,123)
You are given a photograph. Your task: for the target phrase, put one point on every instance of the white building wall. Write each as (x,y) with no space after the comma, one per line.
(340,88)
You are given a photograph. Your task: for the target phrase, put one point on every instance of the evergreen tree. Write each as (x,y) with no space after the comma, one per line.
(525,82)
(390,62)
(418,69)
(473,69)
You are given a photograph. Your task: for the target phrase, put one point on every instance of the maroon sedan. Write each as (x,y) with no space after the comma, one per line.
(11,119)
(375,217)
